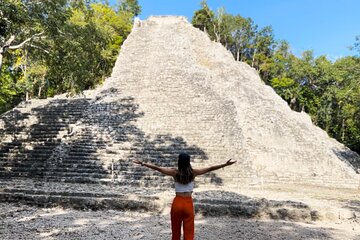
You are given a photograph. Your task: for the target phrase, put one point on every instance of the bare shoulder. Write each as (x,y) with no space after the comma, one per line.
(169,171)
(176,171)
(199,171)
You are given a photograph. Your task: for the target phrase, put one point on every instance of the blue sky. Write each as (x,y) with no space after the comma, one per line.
(328,27)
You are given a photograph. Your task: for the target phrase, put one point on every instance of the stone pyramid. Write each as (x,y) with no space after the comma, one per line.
(189,86)
(172,90)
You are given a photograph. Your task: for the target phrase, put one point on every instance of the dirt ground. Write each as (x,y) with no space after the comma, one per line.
(24,222)
(27,222)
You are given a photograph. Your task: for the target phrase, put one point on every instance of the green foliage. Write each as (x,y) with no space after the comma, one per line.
(86,52)
(8,90)
(285,87)
(51,47)
(242,31)
(203,19)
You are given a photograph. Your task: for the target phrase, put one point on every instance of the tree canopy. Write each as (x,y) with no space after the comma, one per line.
(52,47)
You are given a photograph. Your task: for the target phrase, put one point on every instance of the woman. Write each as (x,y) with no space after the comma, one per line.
(182,208)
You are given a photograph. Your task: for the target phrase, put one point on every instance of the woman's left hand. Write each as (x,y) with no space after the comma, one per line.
(138,162)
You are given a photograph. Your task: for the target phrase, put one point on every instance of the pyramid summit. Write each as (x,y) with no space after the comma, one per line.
(172,90)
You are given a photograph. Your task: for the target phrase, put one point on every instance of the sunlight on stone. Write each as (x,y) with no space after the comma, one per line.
(32,120)
(48,234)
(25,219)
(50,213)
(287,228)
(29,147)
(55,212)
(82,221)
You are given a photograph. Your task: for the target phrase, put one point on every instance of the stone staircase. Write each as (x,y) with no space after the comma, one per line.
(78,153)
(34,145)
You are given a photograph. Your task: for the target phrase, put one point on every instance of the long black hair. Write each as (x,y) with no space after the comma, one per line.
(185,174)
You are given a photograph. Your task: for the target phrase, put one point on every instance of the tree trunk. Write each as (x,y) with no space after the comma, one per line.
(217,36)
(343,130)
(238,55)
(3,49)
(253,59)
(39,92)
(8,45)
(1,60)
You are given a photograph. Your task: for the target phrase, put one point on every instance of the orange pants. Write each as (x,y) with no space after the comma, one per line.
(182,212)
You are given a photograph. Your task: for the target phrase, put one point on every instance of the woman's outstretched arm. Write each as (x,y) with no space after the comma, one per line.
(201,171)
(164,170)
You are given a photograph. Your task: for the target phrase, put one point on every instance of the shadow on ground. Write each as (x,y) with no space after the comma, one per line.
(31,223)
(223,203)
(353,205)
(350,157)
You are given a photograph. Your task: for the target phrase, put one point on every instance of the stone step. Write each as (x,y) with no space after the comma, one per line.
(18,158)
(30,142)
(47,149)
(40,176)
(75,153)
(73,175)
(48,127)
(22,167)
(28,174)
(215,203)
(63,193)
(152,183)
(41,134)
(76,169)
(84,144)
(12,144)
(51,126)
(64,112)
(64,163)
(82,202)
(55,168)
(219,203)
(22,157)
(63,174)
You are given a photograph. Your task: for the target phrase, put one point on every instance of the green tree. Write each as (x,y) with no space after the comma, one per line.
(26,27)
(203,19)
(262,51)
(345,125)
(51,47)
(131,6)
(26,24)
(85,53)
(242,32)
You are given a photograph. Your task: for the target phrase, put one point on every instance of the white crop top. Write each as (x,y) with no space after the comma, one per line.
(184,187)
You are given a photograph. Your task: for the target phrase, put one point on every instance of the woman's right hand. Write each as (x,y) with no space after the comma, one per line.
(230,162)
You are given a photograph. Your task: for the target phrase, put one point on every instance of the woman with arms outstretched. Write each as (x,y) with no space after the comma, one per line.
(182,208)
